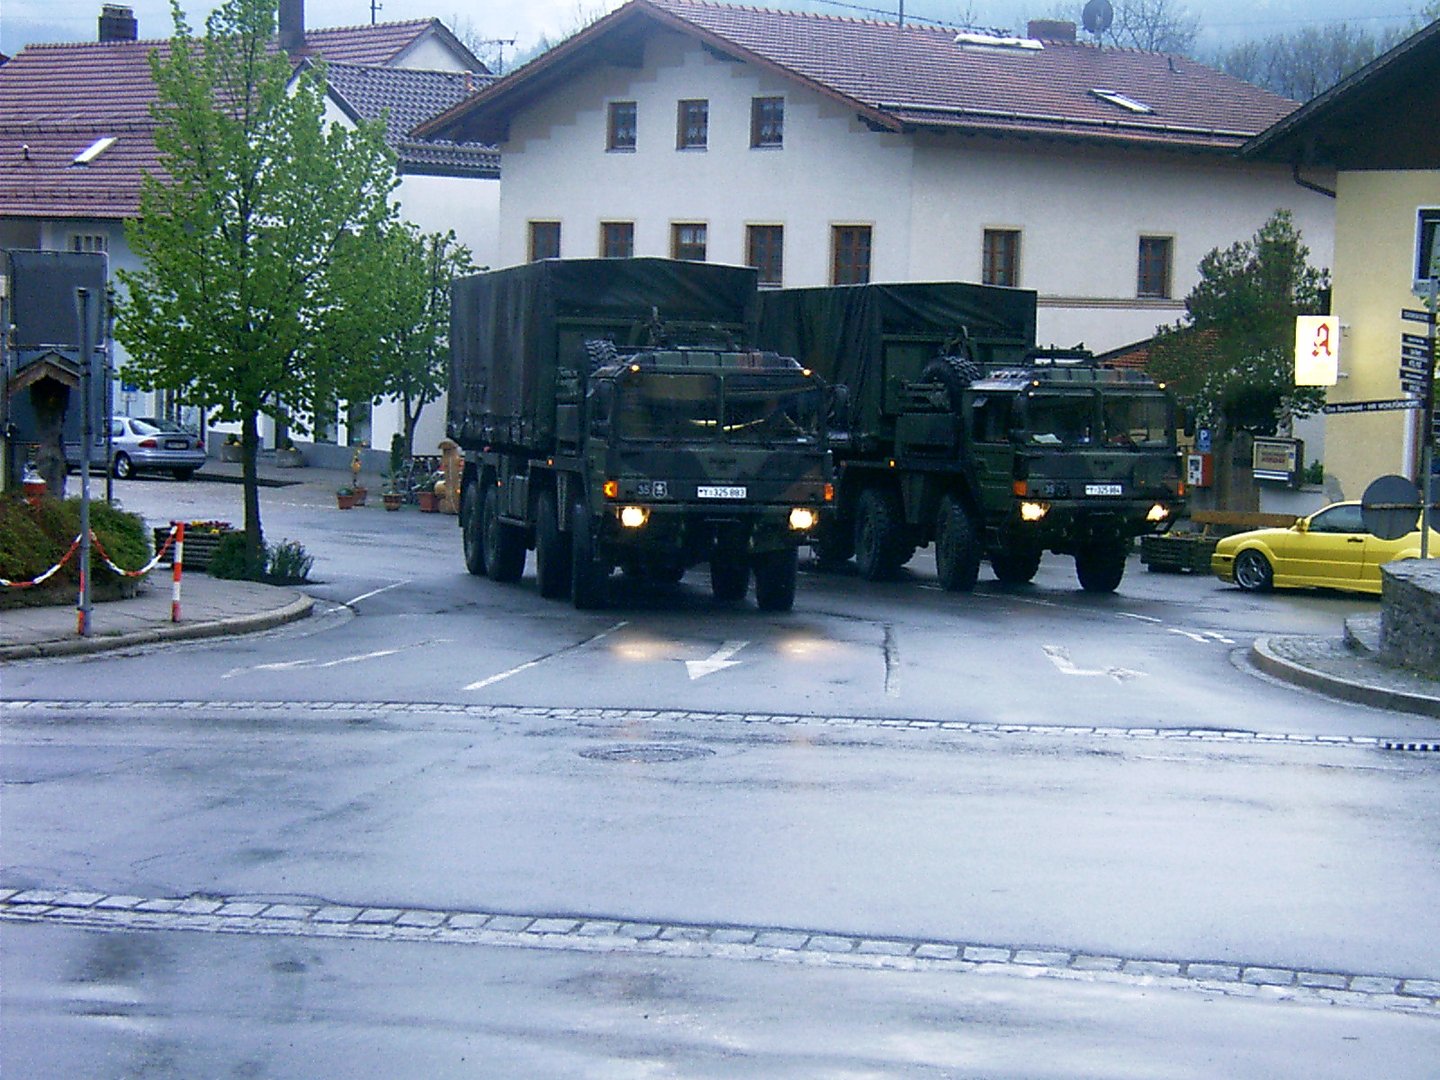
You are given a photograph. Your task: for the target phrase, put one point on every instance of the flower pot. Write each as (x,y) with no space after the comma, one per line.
(429,502)
(290,458)
(345,502)
(360,494)
(231,452)
(393,499)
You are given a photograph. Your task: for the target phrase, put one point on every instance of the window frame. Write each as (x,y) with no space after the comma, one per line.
(89,243)
(1000,262)
(535,228)
(683,137)
(1144,267)
(627,228)
(677,245)
(758,122)
(1427,230)
(770,263)
(856,274)
(613,130)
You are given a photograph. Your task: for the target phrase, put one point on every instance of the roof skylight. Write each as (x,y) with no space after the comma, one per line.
(94,150)
(1114,97)
(996,41)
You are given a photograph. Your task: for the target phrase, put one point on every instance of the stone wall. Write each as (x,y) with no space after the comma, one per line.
(1410,615)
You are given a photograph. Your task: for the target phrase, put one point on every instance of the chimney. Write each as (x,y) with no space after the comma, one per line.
(292,25)
(1051,30)
(117,23)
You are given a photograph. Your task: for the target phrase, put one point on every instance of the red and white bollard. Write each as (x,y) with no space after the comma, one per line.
(176,568)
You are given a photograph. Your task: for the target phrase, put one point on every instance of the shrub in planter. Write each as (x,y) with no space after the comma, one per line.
(290,564)
(231,562)
(34,538)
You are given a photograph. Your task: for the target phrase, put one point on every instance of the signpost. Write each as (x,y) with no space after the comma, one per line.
(1417,376)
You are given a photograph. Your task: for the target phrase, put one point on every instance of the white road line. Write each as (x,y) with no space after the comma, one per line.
(719,660)
(1132,615)
(1186,633)
(1060,657)
(377,592)
(482,683)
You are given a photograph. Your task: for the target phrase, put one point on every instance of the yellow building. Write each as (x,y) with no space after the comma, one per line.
(1380,131)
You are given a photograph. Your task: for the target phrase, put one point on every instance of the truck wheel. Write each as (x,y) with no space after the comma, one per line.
(729,569)
(957,547)
(834,541)
(954,373)
(1253,572)
(599,353)
(589,581)
(552,550)
(470,529)
(880,545)
(775,573)
(504,544)
(1016,565)
(1100,567)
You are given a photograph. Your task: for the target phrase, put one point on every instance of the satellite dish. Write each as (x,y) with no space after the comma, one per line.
(1097,16)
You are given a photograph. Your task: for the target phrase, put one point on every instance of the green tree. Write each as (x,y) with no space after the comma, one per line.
(413,308)
(1231,359)
(251,237)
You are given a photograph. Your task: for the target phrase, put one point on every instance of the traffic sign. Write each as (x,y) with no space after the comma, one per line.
(1392,405)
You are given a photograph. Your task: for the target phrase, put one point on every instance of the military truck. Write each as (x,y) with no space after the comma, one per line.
(613,415)
(960,432)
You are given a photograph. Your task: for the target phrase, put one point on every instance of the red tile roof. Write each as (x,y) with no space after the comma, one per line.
(56,100)
(921,76)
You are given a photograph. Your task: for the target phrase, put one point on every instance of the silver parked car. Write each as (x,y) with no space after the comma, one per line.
(145,444)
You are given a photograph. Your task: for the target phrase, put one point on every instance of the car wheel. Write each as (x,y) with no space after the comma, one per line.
(1253,572)
(122,468)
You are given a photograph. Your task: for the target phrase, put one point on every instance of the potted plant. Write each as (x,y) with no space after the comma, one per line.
(391,493)
(358,489)
(429,501)
(345,498)
(287,455)
(230,449)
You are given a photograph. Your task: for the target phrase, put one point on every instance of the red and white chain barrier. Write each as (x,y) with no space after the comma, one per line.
(177,537)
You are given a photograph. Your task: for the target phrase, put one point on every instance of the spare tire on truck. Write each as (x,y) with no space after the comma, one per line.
(955,373)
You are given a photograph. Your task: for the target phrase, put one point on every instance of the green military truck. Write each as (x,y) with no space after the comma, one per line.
(959,432)
(612,415)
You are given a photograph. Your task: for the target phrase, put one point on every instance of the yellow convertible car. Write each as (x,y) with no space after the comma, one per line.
(1330,549)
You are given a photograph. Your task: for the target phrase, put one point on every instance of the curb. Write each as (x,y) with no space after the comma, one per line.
(297,609)
(1265,658)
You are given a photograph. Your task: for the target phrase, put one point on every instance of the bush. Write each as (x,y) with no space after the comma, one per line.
(231,561)
(1314,473)
(35,538)
(284,564)
(289,563)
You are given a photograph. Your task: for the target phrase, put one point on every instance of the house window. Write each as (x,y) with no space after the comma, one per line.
(765,251)
(767,121)
(687,241)
(620,127)
(1153,278)
(1427,245)
(850,254)
(88,242)
(617,239)
(693,127)
(1000,259)
(544,240)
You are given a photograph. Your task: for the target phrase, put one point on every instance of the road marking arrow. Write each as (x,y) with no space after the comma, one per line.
(1060,657)
(719,660)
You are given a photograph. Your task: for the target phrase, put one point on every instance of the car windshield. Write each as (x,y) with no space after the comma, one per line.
(771,408)
(1140,420)
(1061,419)
(651,406)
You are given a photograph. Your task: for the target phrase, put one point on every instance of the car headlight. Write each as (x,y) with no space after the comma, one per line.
(1033,511)
(1158,512)
(802,518)
(632,517)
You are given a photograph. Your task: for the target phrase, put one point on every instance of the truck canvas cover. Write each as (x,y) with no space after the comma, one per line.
(841,332)
(509,329)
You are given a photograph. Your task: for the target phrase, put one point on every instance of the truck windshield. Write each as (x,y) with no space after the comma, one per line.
(652,406)
(1136,421)
(771,408)
(1060,420)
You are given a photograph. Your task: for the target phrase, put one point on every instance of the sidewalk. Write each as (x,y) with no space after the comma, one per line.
(209,607)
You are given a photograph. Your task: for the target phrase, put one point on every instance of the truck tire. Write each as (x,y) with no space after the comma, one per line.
(834,542)
(1099,567)
(599,353)
(880,544)
(552,550)
(470,529)
(1016,565)
(954,373)
(504,544)
(730,567)
(589,581)
(957,547)
(775,574)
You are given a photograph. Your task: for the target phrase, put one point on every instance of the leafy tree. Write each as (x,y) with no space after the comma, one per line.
(1306,63)
(413,309)
(1231,359)
(244,300)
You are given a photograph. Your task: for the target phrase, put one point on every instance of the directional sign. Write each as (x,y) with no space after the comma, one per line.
(1418,389)
(1415,363)
(1371,406)
(1415,339)
(1421,352)
(1411,315)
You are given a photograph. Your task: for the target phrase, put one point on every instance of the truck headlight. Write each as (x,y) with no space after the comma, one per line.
(632,517)
(1158,512)
(1033,511)
(802,518)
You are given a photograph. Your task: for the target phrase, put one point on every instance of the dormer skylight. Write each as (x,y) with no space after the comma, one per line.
(1114,97)
(94,150)
(996,41)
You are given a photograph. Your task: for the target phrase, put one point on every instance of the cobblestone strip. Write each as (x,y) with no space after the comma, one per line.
(615,717)
(237,915)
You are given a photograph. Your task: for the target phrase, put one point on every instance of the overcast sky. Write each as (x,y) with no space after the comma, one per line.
(25,21)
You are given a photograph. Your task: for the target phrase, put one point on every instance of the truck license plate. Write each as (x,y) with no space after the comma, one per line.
(1103,489)
(706,492)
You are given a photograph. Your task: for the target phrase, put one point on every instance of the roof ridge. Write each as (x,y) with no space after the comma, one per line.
(817,16)
(371,26)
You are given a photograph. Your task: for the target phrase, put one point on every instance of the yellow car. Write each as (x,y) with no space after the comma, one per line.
(1330,549)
